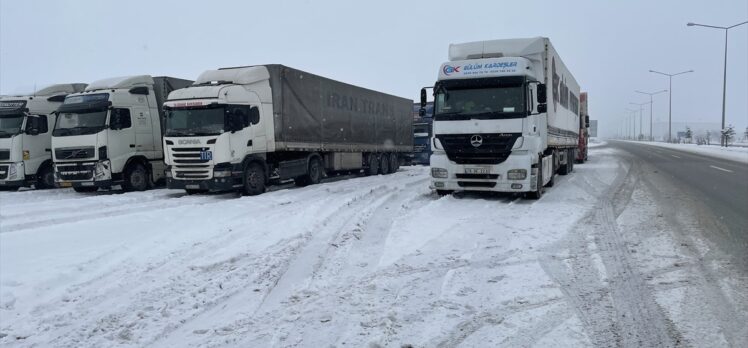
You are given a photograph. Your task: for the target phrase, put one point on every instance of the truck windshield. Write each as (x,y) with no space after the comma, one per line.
(500,102)
(195,122)
(10,125)
(85,122)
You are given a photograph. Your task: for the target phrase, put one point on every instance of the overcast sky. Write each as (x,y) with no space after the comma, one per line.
(391,46)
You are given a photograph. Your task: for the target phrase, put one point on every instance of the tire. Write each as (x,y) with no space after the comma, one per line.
(254,180)
(563,170)
(384,164)
(394,163)
(444,192)
(84,189)
(539,185)
(373,164)
(136,178)
(45,179)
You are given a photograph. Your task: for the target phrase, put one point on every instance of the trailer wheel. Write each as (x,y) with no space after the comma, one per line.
(136,178)
(394,163)
(373,164)
(254,180)
(384,164)
(314,173)
(539,186)
(45,179)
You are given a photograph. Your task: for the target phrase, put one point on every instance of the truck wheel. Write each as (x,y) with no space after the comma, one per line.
(84,189)
(384,164)
(254,180)
(373,165)
(136,178)
(539,186)
(444,192)
(46,178)
(314,172)
(394,163)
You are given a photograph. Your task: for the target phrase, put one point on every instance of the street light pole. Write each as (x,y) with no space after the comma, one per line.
(651,117)
(670,102)
(632,116)
(641,122)
(724,74)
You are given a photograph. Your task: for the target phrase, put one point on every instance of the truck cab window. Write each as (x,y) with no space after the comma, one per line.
(122,117)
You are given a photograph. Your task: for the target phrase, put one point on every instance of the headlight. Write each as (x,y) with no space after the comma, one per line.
(221,174)
(12,171)
(101,168)
(518,143)
(440,173)
(516,174)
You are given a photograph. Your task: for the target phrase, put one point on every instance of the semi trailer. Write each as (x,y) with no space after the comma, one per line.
(110,134)
(244,128)
(506,117)
(26,123)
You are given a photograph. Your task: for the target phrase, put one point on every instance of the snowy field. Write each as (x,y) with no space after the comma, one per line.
(734,153)
(365,262)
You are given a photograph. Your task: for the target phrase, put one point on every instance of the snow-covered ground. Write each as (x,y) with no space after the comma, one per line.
(734,153)
(367,261)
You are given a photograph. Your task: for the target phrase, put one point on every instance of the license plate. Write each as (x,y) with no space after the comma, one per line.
(206,155)
(192,187)
(476,171)
(65,184)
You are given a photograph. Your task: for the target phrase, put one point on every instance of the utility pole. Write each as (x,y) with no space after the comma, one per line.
(670,102)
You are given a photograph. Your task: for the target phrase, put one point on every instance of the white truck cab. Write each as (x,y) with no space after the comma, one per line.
(506,118)
(26,124)
(110,134)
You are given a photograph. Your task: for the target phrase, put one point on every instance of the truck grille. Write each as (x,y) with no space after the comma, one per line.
(75,171)
(493,148)
(190,163)
(3,172)
(4,155)
(69,153)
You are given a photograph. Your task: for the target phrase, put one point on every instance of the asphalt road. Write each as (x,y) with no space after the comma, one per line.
(721,185)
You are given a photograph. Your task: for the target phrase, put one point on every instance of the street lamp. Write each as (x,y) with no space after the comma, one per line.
(724,76)
(632,114)
(651,101)
(670,102)
(641,123)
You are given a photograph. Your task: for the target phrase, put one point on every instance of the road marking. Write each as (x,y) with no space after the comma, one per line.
(675,156)
(722,169)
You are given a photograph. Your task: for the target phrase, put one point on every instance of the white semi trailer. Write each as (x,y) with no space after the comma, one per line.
(110,134)
(506,117)
(26,124)
(244,128)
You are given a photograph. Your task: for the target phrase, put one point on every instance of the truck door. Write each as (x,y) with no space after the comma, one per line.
(144,137)
(35,146)
(121,136)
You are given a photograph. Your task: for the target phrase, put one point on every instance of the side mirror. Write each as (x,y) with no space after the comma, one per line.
(542,97)
(423,98)
(422,112)
(254,115)
(542,108)
(587,121)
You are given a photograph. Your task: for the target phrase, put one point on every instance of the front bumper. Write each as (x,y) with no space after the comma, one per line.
(214,184)
(12,174)
(495,180)
(84,174)
(222,177)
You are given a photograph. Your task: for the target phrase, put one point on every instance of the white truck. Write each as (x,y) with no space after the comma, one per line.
(506,118)
(110,134)
(246,127)
(26,124)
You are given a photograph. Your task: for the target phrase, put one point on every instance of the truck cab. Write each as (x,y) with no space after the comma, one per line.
(495,128)
(110,134)
(26,124)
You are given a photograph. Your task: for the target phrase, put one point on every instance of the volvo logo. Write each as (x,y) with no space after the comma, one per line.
(476,140)
(73,154)
(189,141)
